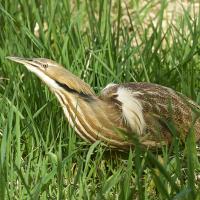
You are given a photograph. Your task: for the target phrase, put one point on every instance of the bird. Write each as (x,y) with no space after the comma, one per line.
(121,112)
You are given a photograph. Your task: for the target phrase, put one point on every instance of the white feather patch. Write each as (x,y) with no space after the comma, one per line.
(106,89)
(109,85)
(131,109)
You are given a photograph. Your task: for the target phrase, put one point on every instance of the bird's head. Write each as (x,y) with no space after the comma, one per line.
(54,75)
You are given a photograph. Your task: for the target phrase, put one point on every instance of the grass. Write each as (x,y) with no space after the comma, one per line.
(40,155)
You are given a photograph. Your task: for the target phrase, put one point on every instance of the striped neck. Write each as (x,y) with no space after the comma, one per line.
(91,118)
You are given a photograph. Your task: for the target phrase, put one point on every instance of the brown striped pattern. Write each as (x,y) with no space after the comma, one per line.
(88,126)
(142,109)
(162,105)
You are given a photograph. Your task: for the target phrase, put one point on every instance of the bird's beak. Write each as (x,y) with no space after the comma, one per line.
(25,61)
(19,60)
(37,67)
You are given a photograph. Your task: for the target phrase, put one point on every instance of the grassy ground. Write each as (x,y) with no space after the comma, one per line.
(102,42)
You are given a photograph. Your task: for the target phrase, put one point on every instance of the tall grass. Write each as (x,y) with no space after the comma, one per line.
(40,155)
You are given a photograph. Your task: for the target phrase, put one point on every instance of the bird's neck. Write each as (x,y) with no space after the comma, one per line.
(92,118)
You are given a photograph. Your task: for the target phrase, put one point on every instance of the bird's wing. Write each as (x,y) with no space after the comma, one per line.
(125,100)
(153,110)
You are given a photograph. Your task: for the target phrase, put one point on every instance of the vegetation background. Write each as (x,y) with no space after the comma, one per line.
(100,41)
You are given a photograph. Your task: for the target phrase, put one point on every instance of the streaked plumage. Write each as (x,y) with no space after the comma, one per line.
(144,109)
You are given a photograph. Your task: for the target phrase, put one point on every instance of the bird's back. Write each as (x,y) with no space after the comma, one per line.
(165,112)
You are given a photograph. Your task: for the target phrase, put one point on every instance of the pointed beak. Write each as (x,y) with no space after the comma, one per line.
(20,60)
(29,63)
(34,65)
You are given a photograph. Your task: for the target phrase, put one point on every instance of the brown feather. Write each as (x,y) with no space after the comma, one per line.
(147,110)
(161,106)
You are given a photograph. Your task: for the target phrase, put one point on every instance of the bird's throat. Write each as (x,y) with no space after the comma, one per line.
(90,119)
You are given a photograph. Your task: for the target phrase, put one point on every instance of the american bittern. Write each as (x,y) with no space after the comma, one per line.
(143,109)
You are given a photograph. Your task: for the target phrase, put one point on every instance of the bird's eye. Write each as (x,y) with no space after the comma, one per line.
(45,65)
